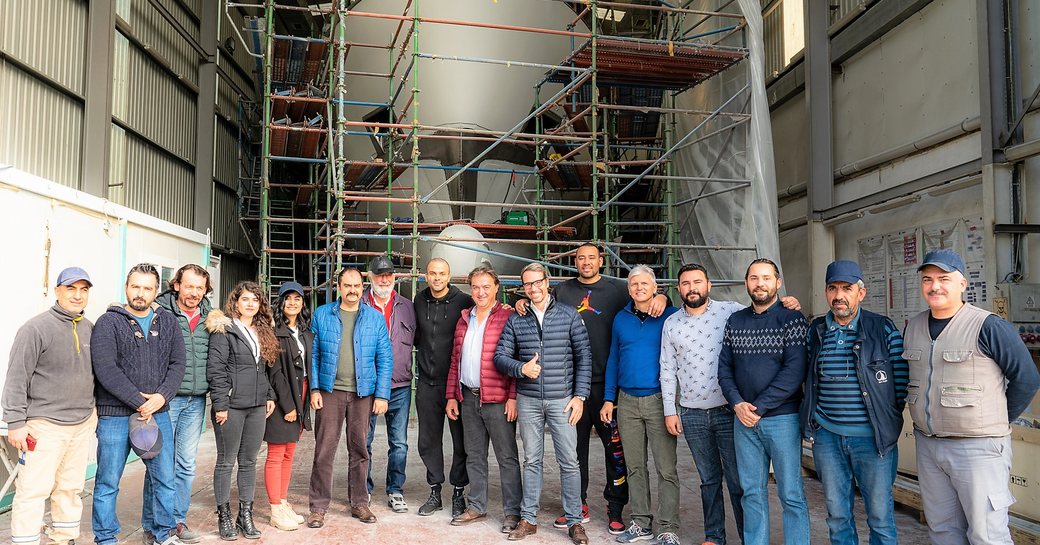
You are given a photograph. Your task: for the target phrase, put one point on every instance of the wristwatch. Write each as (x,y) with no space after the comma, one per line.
(582,398)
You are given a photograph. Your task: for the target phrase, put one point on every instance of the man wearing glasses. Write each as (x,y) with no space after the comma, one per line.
(547,351)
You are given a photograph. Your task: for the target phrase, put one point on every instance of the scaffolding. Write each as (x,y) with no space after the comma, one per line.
(602,135)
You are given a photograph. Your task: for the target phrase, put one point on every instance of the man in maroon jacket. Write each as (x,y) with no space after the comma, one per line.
(487,399)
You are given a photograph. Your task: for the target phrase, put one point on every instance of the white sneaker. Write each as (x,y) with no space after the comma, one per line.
(397,503)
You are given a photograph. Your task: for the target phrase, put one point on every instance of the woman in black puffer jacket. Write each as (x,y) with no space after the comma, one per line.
(292,412)
(242,345)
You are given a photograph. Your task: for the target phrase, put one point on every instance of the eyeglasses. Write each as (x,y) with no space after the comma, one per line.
(533,283)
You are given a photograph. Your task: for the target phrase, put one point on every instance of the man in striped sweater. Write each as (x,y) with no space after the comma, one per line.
(852,412)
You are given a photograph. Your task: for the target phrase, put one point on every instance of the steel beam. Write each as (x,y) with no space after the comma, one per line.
(206,110)
(993,69)
(97,107)
(818,105)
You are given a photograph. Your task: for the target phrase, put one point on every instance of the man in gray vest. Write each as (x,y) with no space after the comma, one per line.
(970,376)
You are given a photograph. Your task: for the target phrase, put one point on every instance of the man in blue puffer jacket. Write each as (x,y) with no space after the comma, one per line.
(548,352)
(349,381)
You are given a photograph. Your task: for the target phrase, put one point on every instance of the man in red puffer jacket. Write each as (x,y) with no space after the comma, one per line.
(487,399)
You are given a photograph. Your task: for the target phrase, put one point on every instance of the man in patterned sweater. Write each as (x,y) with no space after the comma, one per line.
(761,368)
(690,347)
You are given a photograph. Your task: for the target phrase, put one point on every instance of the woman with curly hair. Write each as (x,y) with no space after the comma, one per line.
(242,345)
(292,415)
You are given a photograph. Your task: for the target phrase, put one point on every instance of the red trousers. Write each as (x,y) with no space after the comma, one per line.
(278,471)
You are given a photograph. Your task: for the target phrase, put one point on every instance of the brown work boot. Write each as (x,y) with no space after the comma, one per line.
(510,523)
(467,517)
(523,530)
(363,513)
(315,520)
(578,536)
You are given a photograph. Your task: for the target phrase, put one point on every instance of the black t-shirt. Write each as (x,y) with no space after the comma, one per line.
(598,304)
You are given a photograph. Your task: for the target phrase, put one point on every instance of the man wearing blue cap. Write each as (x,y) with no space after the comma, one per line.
(852,412)
(49,396)
(970,376)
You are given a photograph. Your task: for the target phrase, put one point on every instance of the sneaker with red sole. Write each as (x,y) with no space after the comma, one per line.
(616,525)
(561,521)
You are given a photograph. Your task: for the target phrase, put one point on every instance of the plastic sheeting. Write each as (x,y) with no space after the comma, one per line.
(744,217)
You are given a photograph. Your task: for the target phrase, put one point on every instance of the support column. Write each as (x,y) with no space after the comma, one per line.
(998,204)
(97,108)
(206,121)
(821,156)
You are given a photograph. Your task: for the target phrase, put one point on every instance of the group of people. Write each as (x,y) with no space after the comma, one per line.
(742,385)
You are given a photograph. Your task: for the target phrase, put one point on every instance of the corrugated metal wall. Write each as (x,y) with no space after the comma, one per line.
(226,155)
(233,270)
(157,184)
(160,108)
(43,112)
(150,27)
(227,231)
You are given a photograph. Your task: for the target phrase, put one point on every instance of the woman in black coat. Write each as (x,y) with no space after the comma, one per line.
(288,378)
(242,345)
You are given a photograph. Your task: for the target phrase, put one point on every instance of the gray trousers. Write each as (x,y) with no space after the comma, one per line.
(238,440)
(481,424)
(964,488)
(640,422)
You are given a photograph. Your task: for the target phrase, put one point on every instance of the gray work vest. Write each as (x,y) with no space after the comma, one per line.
(954,390)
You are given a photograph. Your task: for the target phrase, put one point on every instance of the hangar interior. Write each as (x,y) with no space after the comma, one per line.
(286,138)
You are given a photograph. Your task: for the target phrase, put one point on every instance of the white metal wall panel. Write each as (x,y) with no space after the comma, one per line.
(49,36)
(152,29)
(159,108)
(226,154)
(42,128)
(773,36)
(227,231)
(919,78)
(158,185)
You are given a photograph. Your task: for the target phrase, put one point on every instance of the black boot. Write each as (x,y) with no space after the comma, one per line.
(245,520)
(224,524)
(433,503)
(458,501)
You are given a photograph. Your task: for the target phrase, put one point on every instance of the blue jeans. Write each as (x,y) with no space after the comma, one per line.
(112,451)
(534,415)
(709,433)
(841,459)
(188,418)
(400,404)
(776,439)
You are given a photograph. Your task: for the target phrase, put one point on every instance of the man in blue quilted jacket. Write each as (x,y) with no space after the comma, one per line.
(349,382)
(547,351)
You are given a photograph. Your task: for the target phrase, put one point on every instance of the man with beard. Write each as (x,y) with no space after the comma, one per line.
(186,299)
(399,315)
(690,346)
(855,356)
(437,310)
(137,353)
(970,376)
(761,369)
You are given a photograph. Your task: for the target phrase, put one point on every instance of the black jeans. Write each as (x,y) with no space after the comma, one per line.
(429,407)
(616,489)
(487,423)
(238,440)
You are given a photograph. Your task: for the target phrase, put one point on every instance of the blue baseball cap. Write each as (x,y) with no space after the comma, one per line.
(291,286)
(947,260)
(145,437)
(72,275)
(844,270)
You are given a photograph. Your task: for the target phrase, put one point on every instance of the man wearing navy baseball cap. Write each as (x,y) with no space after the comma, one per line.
(854,355)
(970,376)
(49,395)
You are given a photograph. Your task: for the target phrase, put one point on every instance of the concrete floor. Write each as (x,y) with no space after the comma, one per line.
(393,528)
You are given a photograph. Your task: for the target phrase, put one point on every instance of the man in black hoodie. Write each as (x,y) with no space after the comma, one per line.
(437,310)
